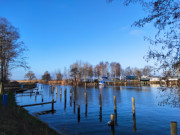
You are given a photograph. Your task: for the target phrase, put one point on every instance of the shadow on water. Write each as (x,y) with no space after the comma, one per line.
(45,112)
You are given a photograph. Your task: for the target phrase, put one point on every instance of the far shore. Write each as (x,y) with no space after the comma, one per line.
(115,83)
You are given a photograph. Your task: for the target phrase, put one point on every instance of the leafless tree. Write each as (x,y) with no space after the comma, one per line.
(59,76)
(46,77)
(147,70)
(165,15)
(65,73)
(137,72)
(30,76)
(74,72)
(128,71)
(11,49)
(115,69)
(97,71)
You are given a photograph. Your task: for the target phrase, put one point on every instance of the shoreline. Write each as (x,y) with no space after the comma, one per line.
(17,121)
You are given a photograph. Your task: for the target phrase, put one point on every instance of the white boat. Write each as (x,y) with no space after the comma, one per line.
(102,83)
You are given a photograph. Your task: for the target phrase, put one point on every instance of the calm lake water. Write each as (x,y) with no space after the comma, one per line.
(155,109)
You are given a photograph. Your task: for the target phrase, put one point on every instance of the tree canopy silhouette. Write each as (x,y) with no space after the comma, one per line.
(11,50)
(165,15)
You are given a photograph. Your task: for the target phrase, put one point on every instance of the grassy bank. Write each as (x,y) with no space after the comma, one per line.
(17,121)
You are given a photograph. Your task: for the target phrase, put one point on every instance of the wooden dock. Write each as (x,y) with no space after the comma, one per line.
(37,104)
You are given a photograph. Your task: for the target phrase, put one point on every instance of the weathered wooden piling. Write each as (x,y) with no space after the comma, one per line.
(115,110)
(42,99)
(134,123)
(100,99)
(85,94)
(115,103)
(74,107)
(78,113)
(133,106)
(60,94)
(60,91)
(70,97)
(100,107)
(86,104)
(73,95)
(65,99)
(112,131)
(0,88)
(56,90)
(173,128)
(112,120)
(52,104)
(65,94)
(35,97)
(115,117)
(100,114)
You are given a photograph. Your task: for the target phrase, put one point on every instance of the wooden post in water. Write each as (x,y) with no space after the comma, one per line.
(70,97)
(100,101)
(78,113)
(35,96)
(56,90)
(74,107)
(134,123)
(112,120)
(60,91)
(100,107)
(0,88)
(115,103)
(85,84)
(60,94)
(42,99)
(173,128)
(65,99)
(133,106)
(74,102)
(52,104)
(85,94)
(65,94)
(115,110)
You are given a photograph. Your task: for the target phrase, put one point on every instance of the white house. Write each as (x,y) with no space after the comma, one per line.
(155,79)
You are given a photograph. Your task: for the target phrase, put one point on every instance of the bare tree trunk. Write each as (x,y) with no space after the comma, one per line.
(2,71)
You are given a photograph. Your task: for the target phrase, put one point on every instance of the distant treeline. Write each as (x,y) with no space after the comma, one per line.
(84,70)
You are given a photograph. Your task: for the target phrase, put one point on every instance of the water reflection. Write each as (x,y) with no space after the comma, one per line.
(100,108)
(86,104)
(134,123)
(78,110)
(169,96)
(113,99)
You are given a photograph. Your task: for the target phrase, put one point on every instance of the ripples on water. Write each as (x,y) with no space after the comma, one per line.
(155,108)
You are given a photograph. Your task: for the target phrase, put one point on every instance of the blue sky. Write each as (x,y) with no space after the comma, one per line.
(60,32)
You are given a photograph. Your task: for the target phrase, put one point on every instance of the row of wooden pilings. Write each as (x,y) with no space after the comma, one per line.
(113,117)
